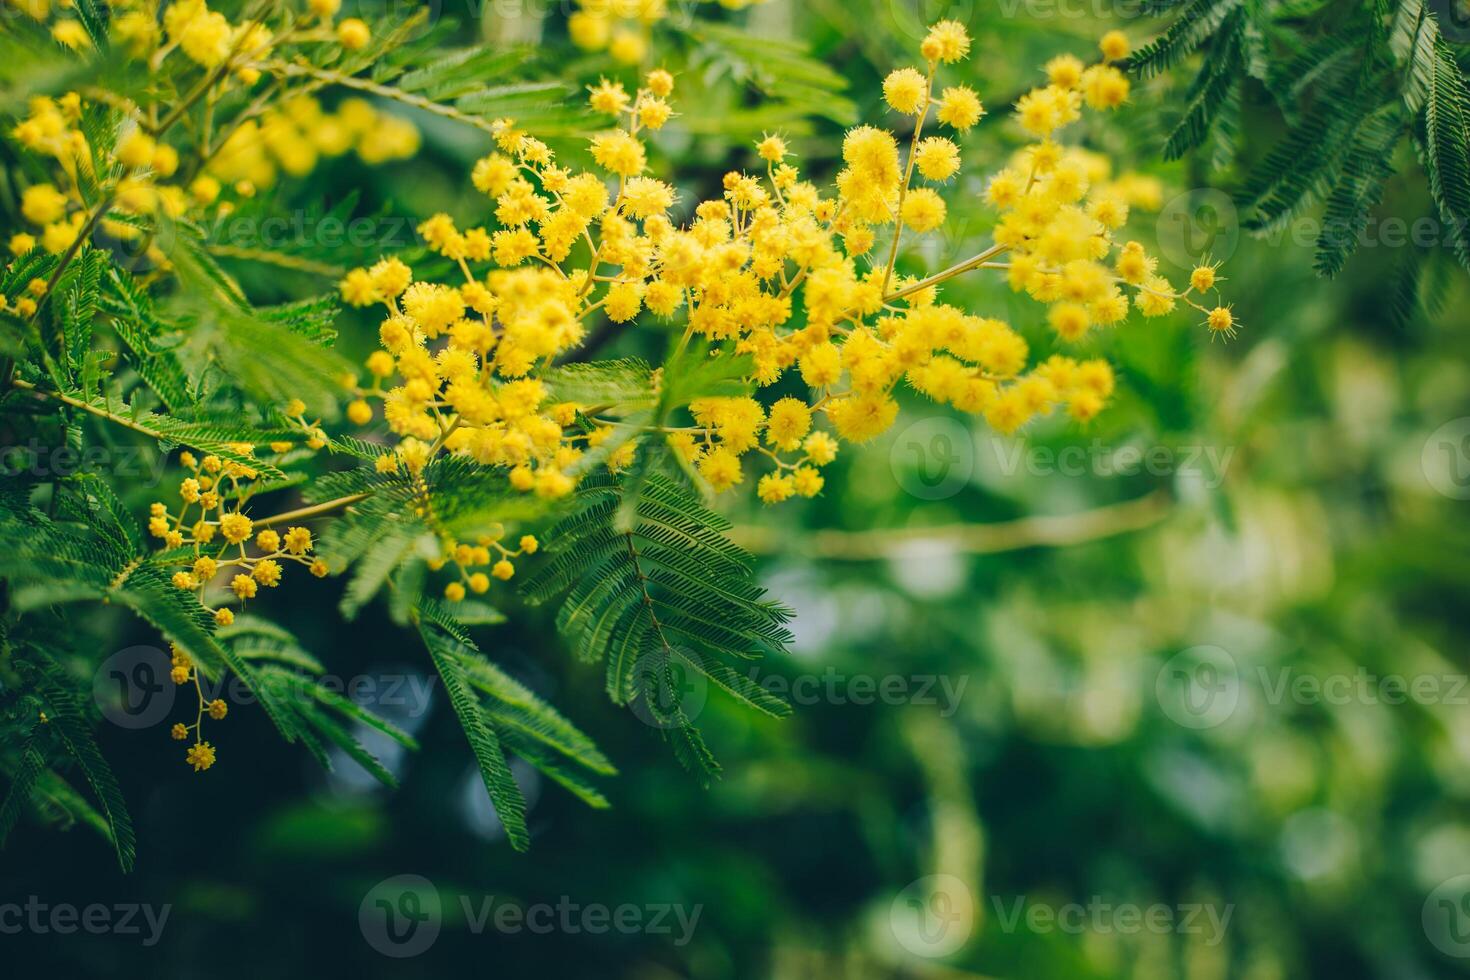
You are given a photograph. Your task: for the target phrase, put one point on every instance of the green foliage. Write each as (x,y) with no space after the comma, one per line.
(1352,83)
(498,715)
(666,595)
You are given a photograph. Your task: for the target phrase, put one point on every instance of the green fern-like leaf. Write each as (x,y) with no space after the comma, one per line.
(1447,147)
(668,596)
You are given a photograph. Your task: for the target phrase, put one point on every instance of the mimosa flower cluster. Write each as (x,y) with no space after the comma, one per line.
(211,523)
(621,27)
(201,754)
(800,278)
(148,163)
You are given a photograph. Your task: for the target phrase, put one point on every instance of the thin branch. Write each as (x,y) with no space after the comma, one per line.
(316,510)
(1041,531)
(974,262)
(326,75)
(101,413)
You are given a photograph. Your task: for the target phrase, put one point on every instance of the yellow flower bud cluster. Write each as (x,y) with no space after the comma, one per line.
(135,171)
(201,754)
(775,268)
(294,139)
(486,553)
(1059,214)
(621,27)
(220,533)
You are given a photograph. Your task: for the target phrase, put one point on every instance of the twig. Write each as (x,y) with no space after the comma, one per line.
(316,510)
(1041,531)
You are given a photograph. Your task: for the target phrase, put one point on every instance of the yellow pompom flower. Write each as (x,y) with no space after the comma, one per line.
(948,41)
(42,204)
(960,108)
(71,34)
(722,469)
(619,152)
(905,90)
(923,210)
(660,83)
(354,34)
(1221,320)
(298,540)
(200,756)
(1114,46)
(235,527)
(937,158)
(789,422)
(1203,278)
(243,586)
(775,487)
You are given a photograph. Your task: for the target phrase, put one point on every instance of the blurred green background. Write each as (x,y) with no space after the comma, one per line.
(1113,701)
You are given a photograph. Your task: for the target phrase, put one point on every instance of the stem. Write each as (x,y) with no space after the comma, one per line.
(1037,531)
(326,75)
(974,262)
(101,413)
(84,233)
(903,192)
(316,510)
